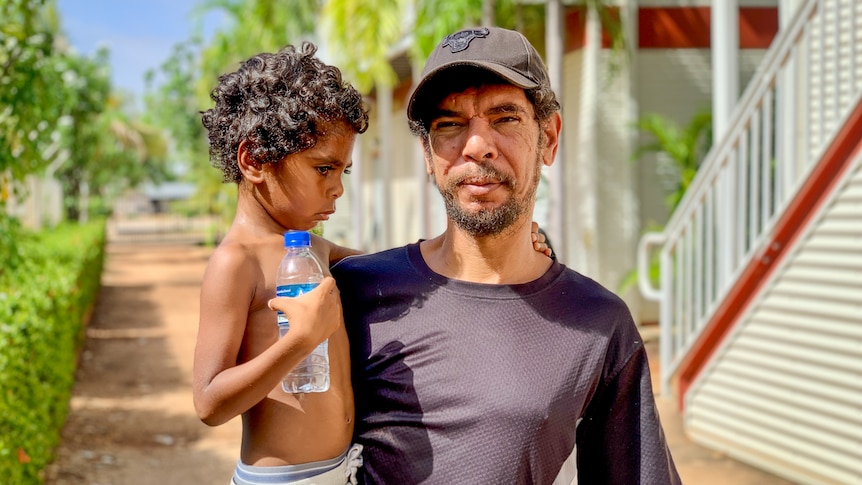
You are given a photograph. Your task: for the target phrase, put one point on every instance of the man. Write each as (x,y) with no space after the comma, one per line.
(475,358)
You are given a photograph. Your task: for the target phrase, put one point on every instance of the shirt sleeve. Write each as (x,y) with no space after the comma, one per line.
(620,439)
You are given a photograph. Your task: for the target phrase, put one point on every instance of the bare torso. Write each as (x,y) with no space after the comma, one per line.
(294,428)
(281,428)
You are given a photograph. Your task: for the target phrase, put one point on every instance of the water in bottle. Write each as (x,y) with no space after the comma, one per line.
(298,273)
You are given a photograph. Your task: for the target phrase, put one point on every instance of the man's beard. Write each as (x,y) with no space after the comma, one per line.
(491,221)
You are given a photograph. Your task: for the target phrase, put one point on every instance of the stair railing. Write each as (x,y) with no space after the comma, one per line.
(794,104)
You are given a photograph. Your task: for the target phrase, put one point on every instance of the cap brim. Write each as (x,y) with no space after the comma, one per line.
(504,72)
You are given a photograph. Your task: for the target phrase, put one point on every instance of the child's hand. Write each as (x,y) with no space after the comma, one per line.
(315,315)
(539,239)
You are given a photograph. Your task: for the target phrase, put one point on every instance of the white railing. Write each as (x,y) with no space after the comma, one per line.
(793,106)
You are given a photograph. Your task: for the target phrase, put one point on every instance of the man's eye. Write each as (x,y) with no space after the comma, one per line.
(508,119)
(442,125)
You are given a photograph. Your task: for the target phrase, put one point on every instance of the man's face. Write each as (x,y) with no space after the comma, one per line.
(486,156)
(302,187)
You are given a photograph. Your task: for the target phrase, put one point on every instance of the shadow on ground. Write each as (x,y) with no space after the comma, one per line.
(131,418)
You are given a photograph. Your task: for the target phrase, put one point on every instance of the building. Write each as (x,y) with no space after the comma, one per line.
(759,301)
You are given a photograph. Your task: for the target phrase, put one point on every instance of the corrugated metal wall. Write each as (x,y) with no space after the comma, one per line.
(829,66)
(785,392)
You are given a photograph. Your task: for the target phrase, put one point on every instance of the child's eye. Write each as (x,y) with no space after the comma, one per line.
(324,169)
(347,171)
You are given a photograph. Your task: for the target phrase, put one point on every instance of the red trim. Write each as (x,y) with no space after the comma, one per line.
(689,27)
(813,194)
(575,37)
(673,28)
(757,27)
(576,28)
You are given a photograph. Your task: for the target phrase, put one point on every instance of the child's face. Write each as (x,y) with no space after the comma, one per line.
(301,189)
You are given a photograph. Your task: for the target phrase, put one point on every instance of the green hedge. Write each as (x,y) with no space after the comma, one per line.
(47,285)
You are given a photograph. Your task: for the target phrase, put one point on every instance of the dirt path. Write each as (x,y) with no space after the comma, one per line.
(131,419)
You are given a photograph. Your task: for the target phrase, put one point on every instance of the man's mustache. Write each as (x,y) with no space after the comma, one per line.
(483,172)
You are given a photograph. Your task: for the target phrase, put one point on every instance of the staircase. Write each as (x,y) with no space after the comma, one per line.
(761,264)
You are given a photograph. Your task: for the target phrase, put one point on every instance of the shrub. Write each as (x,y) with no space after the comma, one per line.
(44,300)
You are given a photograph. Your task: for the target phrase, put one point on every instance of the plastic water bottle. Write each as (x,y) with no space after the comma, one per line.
(298,273)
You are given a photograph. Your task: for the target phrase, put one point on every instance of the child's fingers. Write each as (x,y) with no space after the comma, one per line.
(325,290)
(542,248)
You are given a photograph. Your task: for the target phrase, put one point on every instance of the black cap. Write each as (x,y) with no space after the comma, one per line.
(506,53)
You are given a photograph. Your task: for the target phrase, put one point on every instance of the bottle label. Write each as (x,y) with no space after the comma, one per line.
(292,291)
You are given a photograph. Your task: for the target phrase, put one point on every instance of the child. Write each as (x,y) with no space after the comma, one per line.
(283,129)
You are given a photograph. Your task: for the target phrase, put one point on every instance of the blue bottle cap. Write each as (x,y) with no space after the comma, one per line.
(297,239)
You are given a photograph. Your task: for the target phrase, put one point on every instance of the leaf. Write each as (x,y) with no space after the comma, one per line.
(23,457)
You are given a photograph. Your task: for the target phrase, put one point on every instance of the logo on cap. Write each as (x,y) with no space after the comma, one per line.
(459,41)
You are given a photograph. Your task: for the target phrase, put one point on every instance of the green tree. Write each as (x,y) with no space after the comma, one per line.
(172,104)
(108,149)
(362,35)
(30,102)
(57,113)
(252,26)
(175,105)
(683,146)
(128,152)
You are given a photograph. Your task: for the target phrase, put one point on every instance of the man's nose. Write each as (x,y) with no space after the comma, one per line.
(479,145)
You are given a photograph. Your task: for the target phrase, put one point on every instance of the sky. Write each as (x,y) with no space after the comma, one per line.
(140,35)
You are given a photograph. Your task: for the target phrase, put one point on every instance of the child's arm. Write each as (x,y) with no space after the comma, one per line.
(226,384)
(337,253)
(326,250)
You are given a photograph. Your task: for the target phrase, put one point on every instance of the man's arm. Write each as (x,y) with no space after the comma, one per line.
(620,439)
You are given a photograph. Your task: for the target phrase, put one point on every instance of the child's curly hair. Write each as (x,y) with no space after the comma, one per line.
(279,103)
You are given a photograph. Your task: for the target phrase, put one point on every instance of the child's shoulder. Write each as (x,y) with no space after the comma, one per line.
(237,256)
(230,257)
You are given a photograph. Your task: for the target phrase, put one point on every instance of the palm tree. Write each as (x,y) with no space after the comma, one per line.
(682,146)
(253,26)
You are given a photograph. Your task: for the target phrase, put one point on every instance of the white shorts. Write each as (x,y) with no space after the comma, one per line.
(337,471)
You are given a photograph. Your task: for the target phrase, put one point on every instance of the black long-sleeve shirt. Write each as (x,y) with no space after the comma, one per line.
(460,382)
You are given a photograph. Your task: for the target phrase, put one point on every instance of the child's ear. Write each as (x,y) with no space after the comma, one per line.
(250,168)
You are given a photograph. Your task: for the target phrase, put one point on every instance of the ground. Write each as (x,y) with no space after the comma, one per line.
(132,421)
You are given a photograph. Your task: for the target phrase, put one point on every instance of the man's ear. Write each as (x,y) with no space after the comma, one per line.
(426,157)
(250,168)
(552,129)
